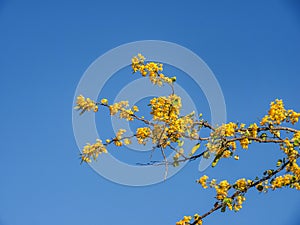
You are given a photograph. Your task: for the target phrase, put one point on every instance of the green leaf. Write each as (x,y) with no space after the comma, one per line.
(223,209)
(263,136)
(227,200)
(175,163)
(180,143)
(279,162)
(259,187)
(195,148)
(206,155)
(216,160)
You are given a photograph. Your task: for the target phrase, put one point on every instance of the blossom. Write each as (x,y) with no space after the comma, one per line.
(85,104)
(104,101)
(92,151)
(142,134)
(230,129)
(244,143)
(253,130)
(203,181)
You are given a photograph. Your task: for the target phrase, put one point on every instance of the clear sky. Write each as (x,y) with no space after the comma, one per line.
(253,48)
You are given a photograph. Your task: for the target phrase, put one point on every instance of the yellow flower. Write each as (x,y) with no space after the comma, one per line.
(197,219)
(232,144)
(85,104)
(253,130)
(142,134)
(264,120)
(118,143)
(277,112)
(166,109)
(135,108)
(244,143)
(96,108)
(293,116)
(203,181)
(127,141)
(92,151)
(238,202)
(104,101)
(241,184)
(230,129)
(226,154)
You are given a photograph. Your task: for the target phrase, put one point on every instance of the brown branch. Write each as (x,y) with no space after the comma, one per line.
(219,205)
(261,140)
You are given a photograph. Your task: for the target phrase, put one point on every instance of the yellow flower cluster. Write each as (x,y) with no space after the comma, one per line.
(137,64)
(231,145)
(135,108)
(242,184)
(289,150)
(142,134)
(165,108)
(230,129)
(126,114)
(118,106)
(163,78)
(238,202)
(244,143)
(222,189)
(174,131)
(92,151)
(117,140)
(203,181)
(85,104)
(293,116)
(185,221)
(253,130)
(296,136)
(282,181)
(277,114)
(152,69)
(122,107)
(295,170)
(226,154)
(197,219)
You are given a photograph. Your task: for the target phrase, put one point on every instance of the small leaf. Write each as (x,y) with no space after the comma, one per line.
(259,187)
(279,162)
(195,148)
(223,209)
(215,162)
(270,172)
(227,200)
(263,136)
(206,155)
(175,163)
(180,143)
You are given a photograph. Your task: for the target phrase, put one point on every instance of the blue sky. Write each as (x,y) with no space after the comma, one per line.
(252,47)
